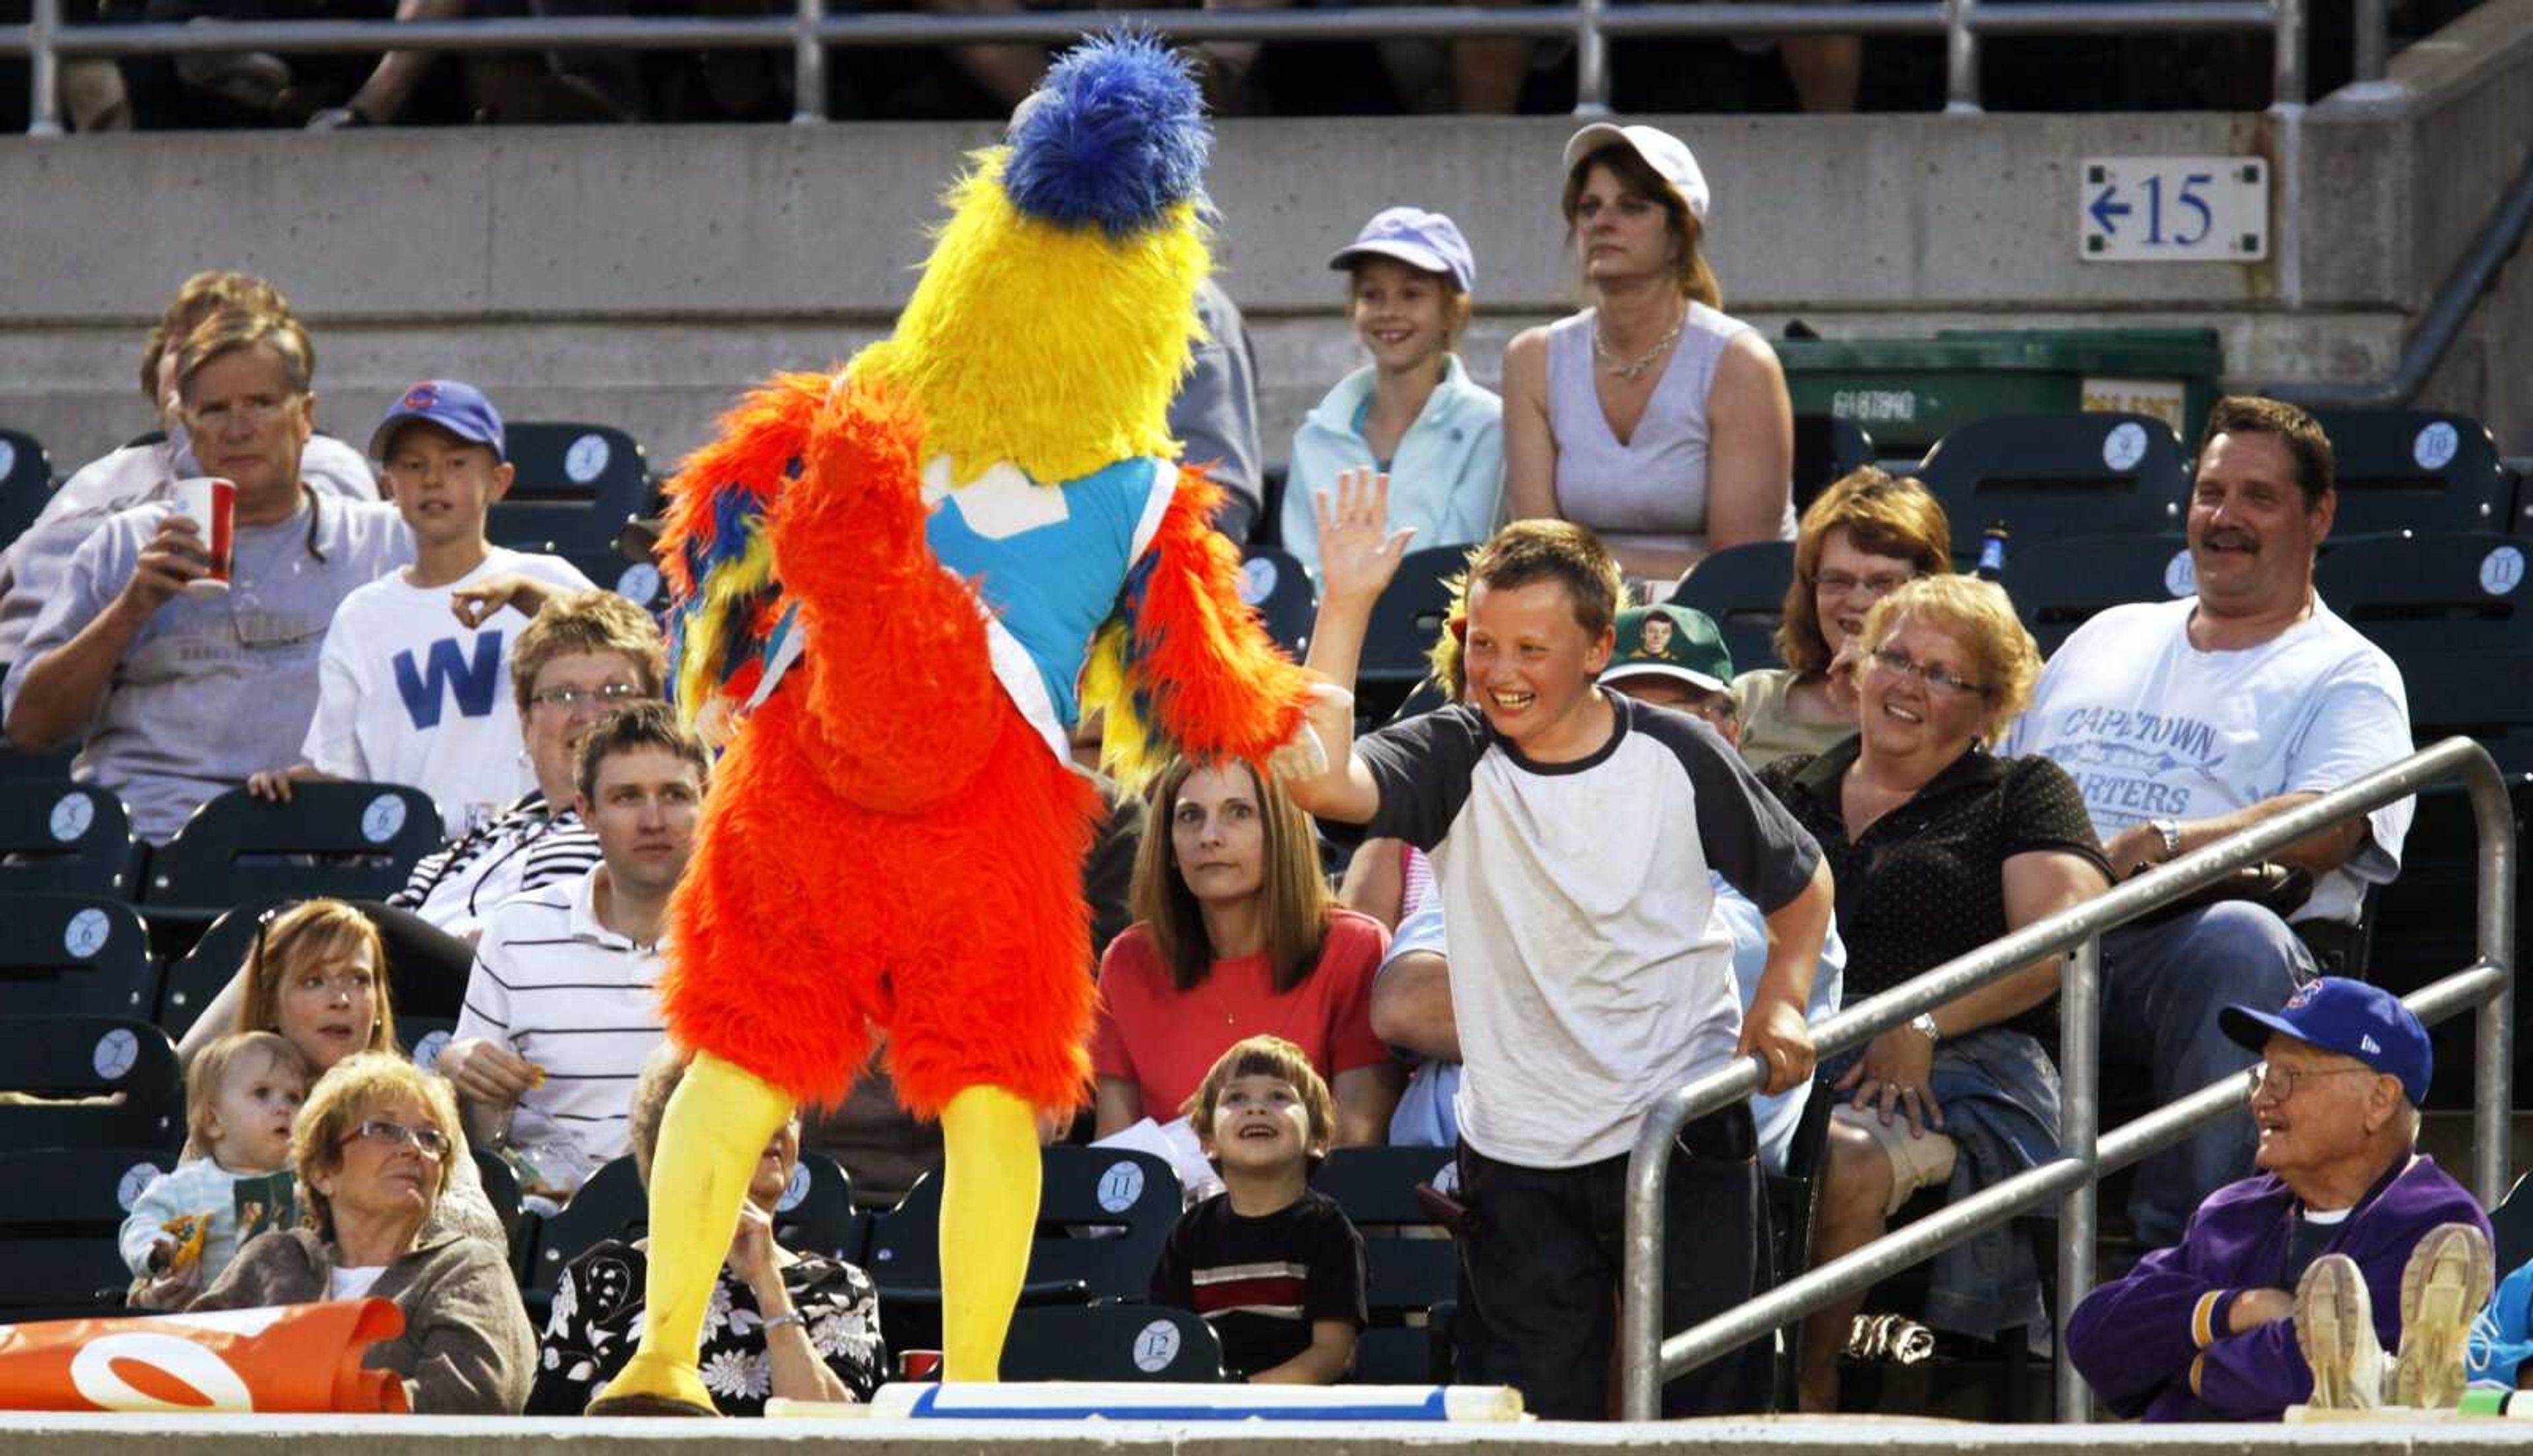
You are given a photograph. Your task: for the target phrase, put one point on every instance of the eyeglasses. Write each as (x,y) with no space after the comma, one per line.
(1935,678)
(1839,584)
(254,414)
(2280,1084)
(433,1142)
(572,699)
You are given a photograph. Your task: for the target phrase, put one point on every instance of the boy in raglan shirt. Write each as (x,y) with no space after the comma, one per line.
(1571,832)
(408,692)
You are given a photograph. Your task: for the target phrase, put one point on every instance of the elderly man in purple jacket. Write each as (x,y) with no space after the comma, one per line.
(2210,1330)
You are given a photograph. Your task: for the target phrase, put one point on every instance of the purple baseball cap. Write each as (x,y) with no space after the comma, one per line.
(451,404)
(1417,237)
(2350,1017)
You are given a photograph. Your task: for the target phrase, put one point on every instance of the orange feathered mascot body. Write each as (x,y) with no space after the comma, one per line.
(899,588)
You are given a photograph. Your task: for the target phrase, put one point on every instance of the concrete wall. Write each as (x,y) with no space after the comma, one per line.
(642,277)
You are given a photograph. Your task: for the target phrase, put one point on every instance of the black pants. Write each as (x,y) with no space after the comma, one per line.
(1541,1270)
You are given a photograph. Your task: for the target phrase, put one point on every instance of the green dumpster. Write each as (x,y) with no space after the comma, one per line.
(1909,392)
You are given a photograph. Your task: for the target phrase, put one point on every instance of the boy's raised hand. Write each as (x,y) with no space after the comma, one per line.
(1358,551)
(475,604)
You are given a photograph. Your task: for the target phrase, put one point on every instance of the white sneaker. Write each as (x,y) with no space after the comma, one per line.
(2444,1288)
(2334,1326)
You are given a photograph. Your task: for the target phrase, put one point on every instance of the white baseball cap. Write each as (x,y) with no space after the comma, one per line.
(1666,154)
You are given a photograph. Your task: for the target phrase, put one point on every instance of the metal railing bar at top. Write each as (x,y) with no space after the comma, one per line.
(1591,24)
(1648,1360)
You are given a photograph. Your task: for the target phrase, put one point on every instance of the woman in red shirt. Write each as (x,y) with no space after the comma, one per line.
(1236,935)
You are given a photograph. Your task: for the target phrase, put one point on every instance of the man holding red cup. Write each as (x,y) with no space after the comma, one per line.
(179,687)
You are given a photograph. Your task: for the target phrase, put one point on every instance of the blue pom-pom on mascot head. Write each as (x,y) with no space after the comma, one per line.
(1115,136)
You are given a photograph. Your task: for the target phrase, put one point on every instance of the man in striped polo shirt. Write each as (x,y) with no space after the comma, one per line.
(561,1006)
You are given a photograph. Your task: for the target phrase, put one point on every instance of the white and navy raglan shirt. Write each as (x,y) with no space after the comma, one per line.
(1590,973)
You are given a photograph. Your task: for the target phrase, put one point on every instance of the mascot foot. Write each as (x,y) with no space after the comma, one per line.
(652,1387)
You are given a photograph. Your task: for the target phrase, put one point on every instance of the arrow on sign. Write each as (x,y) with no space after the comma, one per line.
(2105,210)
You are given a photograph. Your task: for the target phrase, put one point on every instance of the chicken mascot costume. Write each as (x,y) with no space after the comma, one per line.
(899,588)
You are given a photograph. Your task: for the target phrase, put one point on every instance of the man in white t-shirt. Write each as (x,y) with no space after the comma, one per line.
(563,1007)
(2185,722)
(1572,832)
(409,693)
(177,697)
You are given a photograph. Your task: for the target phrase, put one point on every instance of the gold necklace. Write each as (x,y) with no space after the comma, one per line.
(1608,362)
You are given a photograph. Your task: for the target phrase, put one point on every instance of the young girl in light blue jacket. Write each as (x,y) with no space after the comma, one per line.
(1413,411)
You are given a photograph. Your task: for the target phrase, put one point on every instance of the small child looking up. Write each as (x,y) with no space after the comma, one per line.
(1273,1266)
(241,1097)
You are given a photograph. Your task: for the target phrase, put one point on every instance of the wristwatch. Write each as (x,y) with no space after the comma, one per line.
(2168,831)
(1923,1023)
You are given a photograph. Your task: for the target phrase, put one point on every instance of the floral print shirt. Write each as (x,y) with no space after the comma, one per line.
(597,1317)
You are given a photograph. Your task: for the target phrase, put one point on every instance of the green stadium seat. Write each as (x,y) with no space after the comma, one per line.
(73,955)
(573,485)
(1276,582)
(350,841)
(26,482)
(1409,616)
(1743,589)
(1113,1343)
(2057,586)
(66,839)
(71,1067)
(1410,1266)
(61,1215)
(1826,447)
(2414,470)
(2420,595)
(2048,477)
(198,975)
(1103,1214)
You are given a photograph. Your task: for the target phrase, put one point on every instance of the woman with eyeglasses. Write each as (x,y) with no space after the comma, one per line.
(317,976)
(1939,847)
(373,1151)
(1863,538)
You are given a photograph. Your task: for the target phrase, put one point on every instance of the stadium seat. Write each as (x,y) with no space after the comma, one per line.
(2057,586)
(1279,586)
(2417,596)
(815,1215)
(1410,1268)
(574,485)
(352,840)
(636,579)
(26,482)
(1743,588)
(204,970)
(2511,1222)
(61,1214)
(2047,477)
(502,1190)
(2414,470)
(66,839)
(1112,1342)
(71,955)
(1103,1214)
(46,768)
(70,1066)
(1826,447)
(1408,616)
(425,1038)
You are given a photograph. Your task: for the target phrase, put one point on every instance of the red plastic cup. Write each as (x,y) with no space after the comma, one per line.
(918,1365)
(211,503)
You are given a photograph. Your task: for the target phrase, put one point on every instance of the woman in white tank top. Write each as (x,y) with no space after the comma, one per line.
(1650,417)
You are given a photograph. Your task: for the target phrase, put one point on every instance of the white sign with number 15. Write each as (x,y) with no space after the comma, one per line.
(2172,210)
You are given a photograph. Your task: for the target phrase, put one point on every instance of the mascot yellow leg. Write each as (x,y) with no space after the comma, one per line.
(714,1133)
(990,1193)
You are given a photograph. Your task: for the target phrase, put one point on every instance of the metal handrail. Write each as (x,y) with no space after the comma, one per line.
(809,30)
(2488,983)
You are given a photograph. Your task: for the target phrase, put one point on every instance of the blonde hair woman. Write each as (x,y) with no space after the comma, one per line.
(1938,848)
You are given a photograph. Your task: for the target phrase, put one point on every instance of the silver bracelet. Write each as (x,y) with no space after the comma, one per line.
(779,1320)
